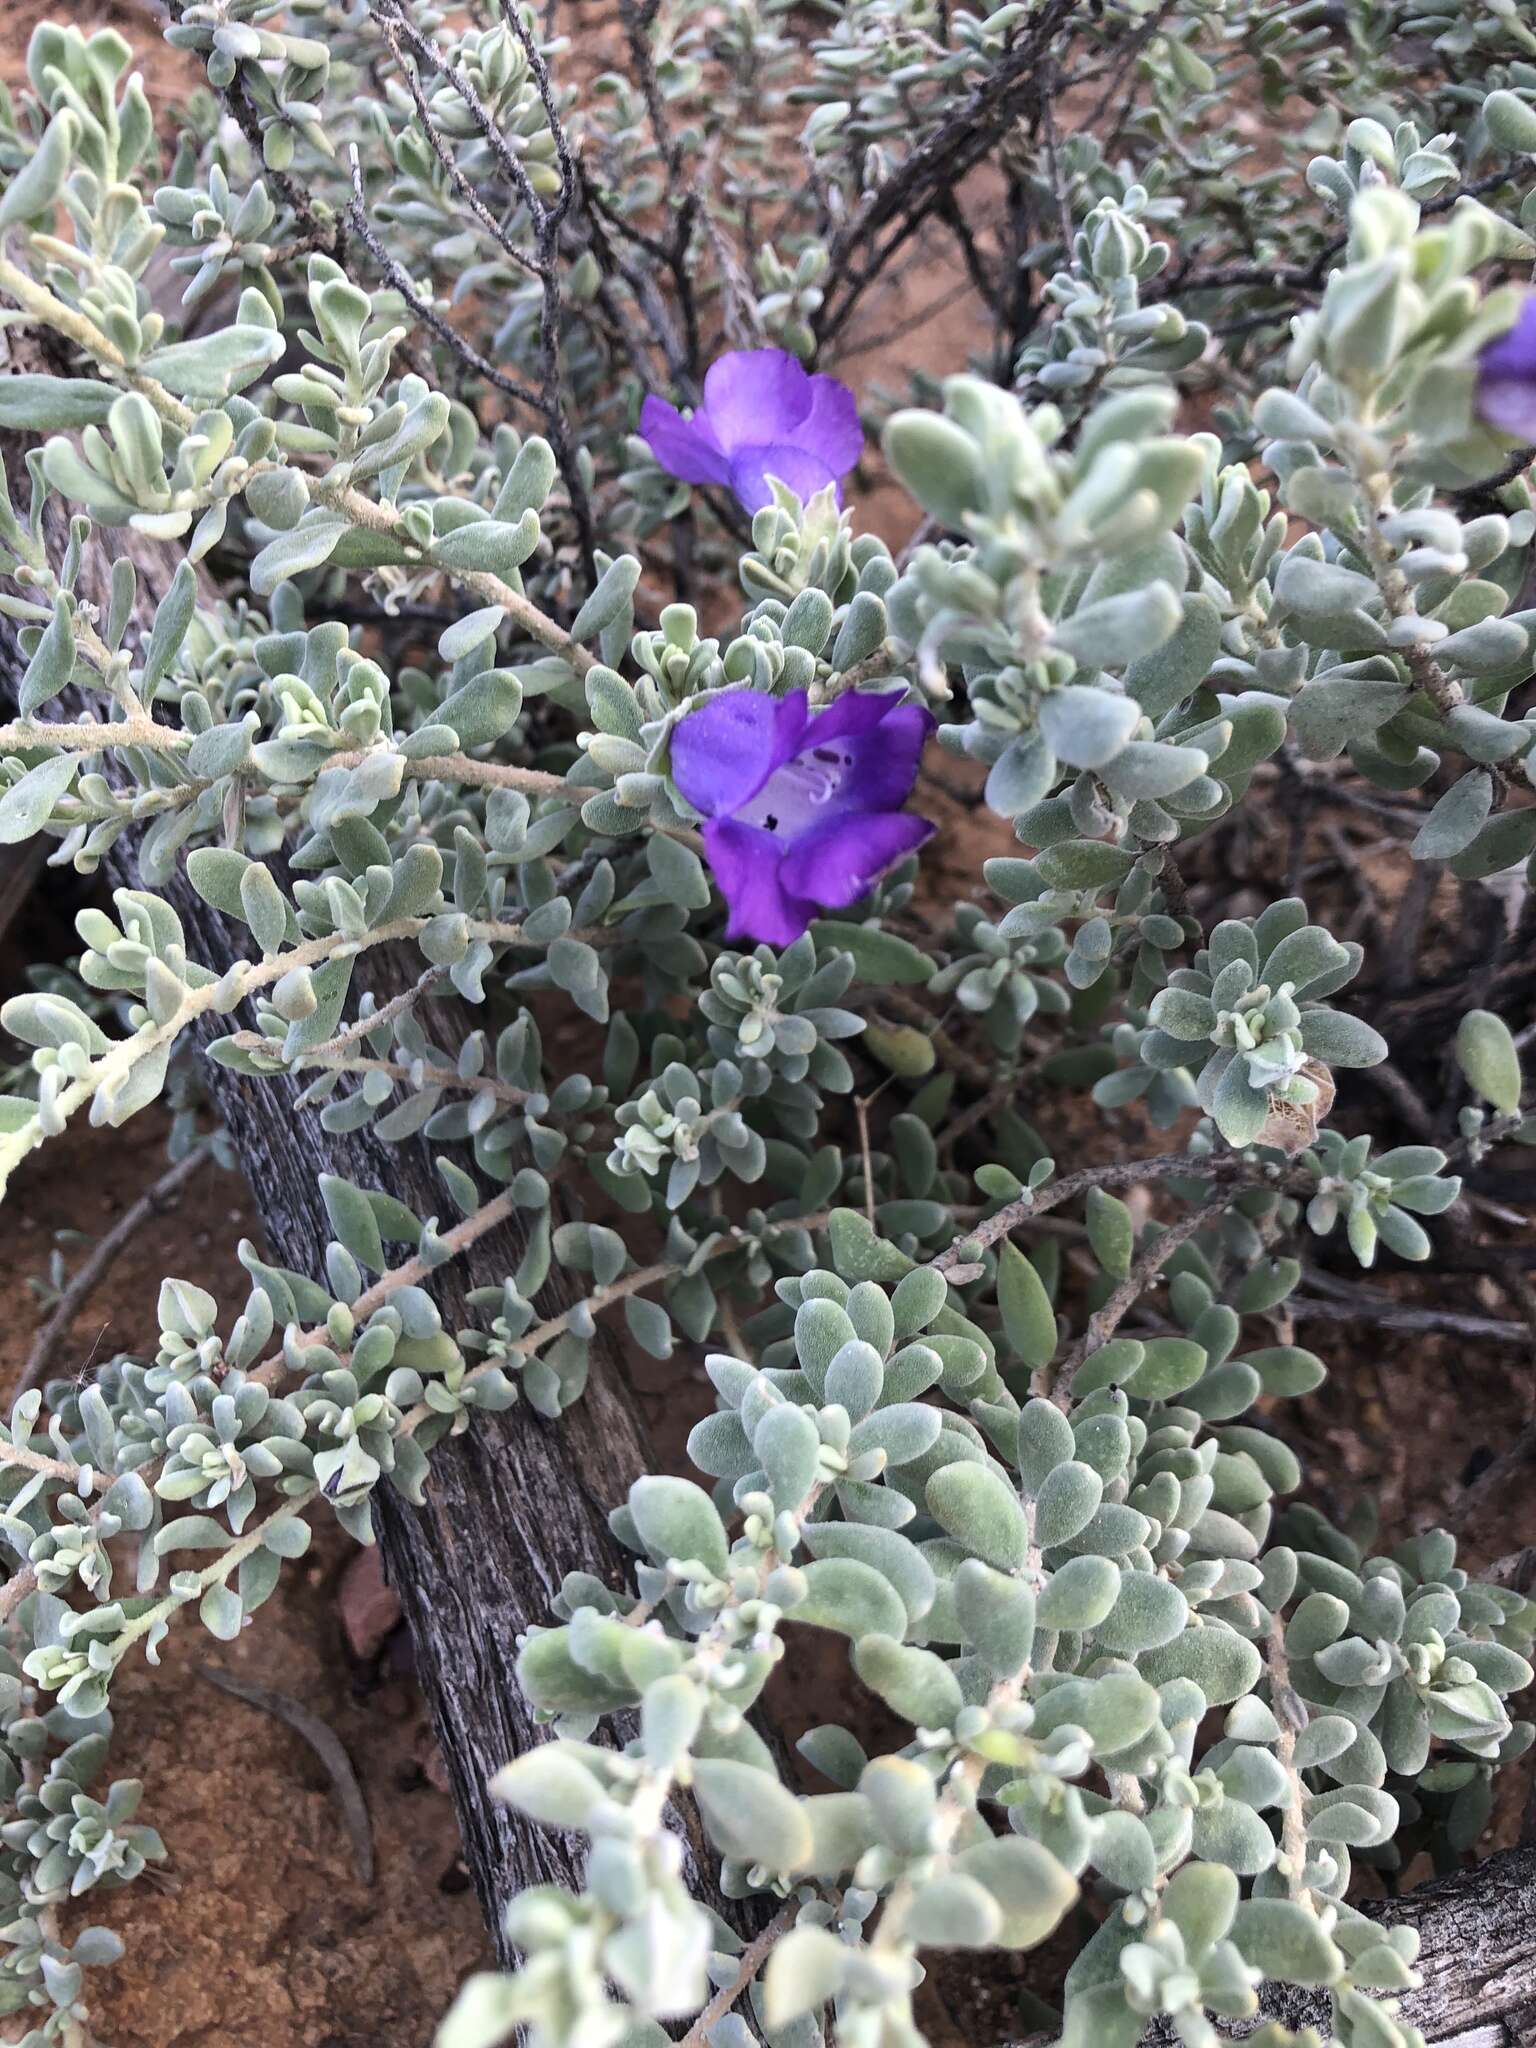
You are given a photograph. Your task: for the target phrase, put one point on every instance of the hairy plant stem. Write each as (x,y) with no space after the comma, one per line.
(1103,1323)
(112,1068)
(1232,1171)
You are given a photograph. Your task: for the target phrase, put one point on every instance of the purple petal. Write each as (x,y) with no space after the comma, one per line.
(840,861)
(852,715)
(686,449)
(803,471)
(755,395)
(724,752)
(749,870)
(832,427)
(1509,403)
(1513,354)
(884,765)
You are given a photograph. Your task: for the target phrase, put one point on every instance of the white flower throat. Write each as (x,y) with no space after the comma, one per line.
(797,795)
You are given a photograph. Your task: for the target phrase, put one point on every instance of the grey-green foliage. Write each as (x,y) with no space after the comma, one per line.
(409,685)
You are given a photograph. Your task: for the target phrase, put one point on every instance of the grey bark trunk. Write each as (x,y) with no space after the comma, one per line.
(513,1503)
(1477,1957)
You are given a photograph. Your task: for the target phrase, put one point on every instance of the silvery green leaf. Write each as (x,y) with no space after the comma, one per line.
(1168,1367)
(903,1431)
(750,1816)
(938,462)
(1340,1040)
(1239,1109)
(892,1555)
(214,365)
(1067,1503)
(788,1448)
(1152,768)
(222,1613)
(1029,1321)
(1086,726)
(678,1519)
(1486,1053)
(954,1911)
(1508,836)
(914,1683)
(852,1598)
(842,1830)
(1201,1900)
(1045,1441)
(486,2011)
(27,804)
(1324,495)
(1334,709)
(1116,630)
(1029,1886)
(1255,1776)
(35,188)
(978,1509)
(1111,1233)
(1084,864)
(997,1614)
(484,708)
(1483,649)
(1148,1612)
(550,1785)
(1021,775)
(550,1676)
(1282,416)
(470,632)
(679,872)
(1356,1816)
(854,1379)
(881,958)
(1079,1594)
(1234,1835)
(1123,1852)
(47,405)
(310,543)
(52,663)
(487,546)
(1305,958)
(649,1325)
(806,1968)
(1162,677)
(1222,1664)
(1511,122)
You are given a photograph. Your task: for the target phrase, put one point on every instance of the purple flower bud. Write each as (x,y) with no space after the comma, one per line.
(763,415)
(1506,377)
(801,811)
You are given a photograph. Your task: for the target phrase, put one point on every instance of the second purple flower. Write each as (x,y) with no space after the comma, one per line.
(1506,377)
(802,811)
(763,415)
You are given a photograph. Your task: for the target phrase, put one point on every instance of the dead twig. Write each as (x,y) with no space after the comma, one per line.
(108,1250)
(327,1746)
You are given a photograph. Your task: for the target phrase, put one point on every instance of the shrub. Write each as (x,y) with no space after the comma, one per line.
(385,335)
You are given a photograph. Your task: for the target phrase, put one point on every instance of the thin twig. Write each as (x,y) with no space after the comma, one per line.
(323,1741)
(1105,1321)
(102,1259)
(752,1960)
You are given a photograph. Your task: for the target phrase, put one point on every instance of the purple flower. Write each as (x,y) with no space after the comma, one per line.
(1506,377)
(763,415)
(801,812)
